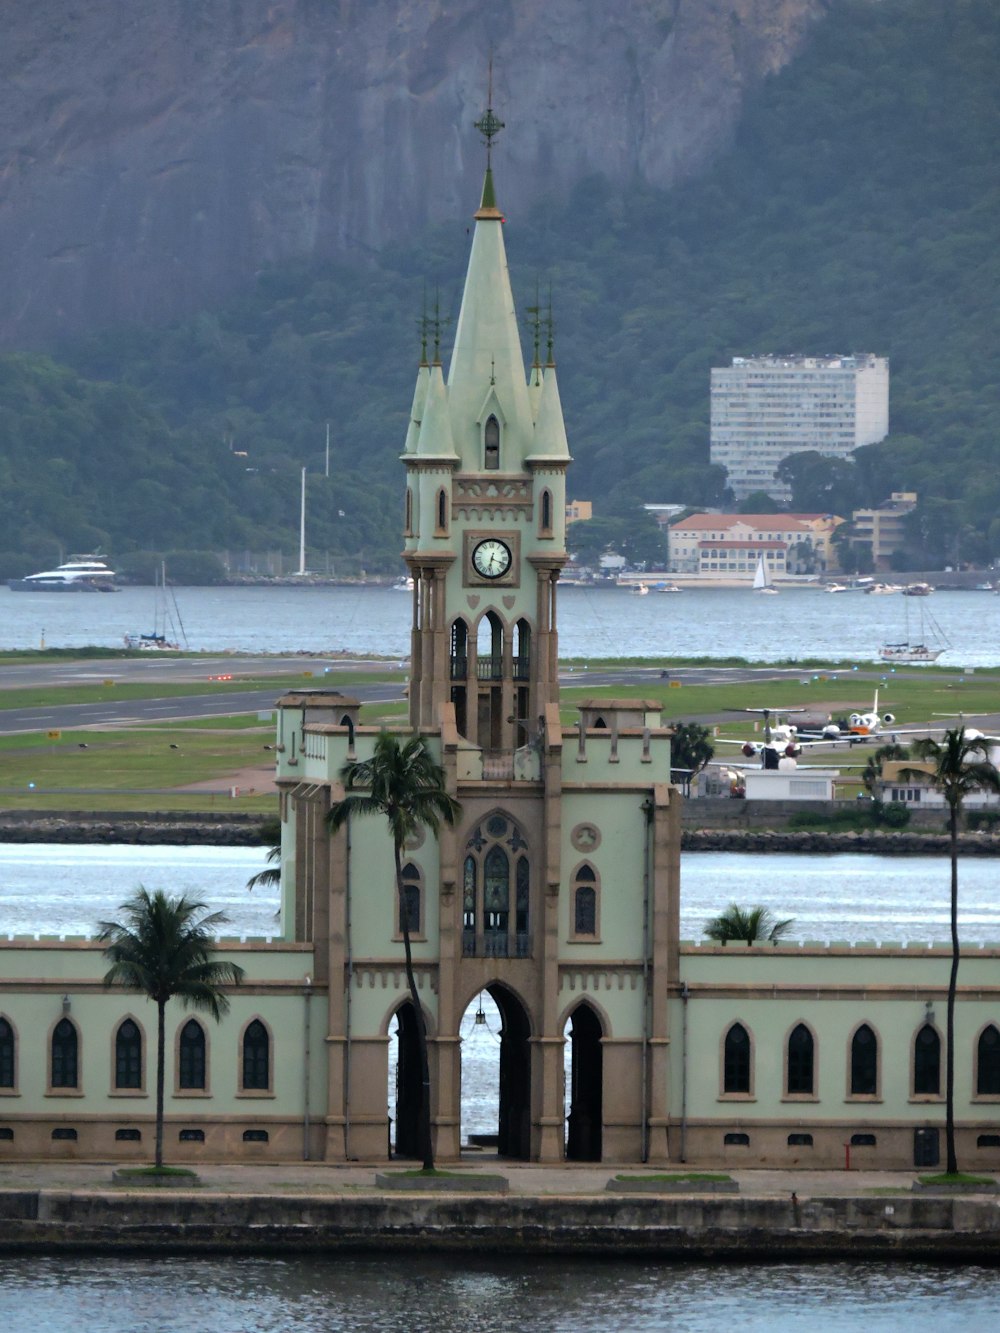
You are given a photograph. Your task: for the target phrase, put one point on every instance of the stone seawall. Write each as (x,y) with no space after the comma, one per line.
(815,843)
(243,830)
(173,829)
(902,1226)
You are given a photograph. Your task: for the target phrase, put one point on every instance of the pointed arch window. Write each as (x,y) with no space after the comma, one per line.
(491,444)
(864,1062)
(8,1056)
(800,1071)
(545,514)
(411,901)
(128,1055)
(585,886)
(927,1062)
(736,1062)
(459,650)
(988,1062)
(441,513)
(256,1058)
(191,1057)
(64,1069)
(521,648)
(496,891)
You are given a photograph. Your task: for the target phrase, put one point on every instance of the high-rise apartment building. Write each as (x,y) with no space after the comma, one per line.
(765,408)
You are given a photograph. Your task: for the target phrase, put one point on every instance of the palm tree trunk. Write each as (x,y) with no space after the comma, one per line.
(161,1023)
(949,1077)
(424,1127)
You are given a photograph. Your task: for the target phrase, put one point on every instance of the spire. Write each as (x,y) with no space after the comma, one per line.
(489,126)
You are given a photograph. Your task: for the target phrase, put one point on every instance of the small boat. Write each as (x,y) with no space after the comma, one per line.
(80,573)
(403,584)
(639,590)
(762,577)
(668,587)
(882,589)
(917,590)
(925,649)
(836,587)
(167,634)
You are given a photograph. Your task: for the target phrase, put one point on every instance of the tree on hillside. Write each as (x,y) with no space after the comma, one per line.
(820,484)
(961,769)
(750,925)
(163,948)
(404,784)
(759,502)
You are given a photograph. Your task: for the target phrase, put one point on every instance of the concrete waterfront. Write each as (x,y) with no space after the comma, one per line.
(555,1210)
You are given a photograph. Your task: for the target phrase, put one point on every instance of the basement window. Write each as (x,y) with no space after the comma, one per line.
(7,1134)
(863,1140)
(128,1135)
(63,1133)
(984,1140)
(255,1136)
(737,1140)
(191,1136)
(800,1140)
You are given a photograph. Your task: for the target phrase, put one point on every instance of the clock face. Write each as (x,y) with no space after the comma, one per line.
(491,558)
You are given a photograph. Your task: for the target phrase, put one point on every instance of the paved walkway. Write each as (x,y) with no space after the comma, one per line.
(523,1178)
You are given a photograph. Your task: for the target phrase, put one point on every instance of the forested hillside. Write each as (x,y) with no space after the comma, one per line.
(858,210)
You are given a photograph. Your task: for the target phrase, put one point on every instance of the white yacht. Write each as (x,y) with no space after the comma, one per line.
(80,573)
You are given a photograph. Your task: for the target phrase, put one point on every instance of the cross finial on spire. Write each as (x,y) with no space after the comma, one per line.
(490,125)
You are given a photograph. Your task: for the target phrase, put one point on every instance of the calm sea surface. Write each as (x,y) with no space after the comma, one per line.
(414,1293)
(712,622)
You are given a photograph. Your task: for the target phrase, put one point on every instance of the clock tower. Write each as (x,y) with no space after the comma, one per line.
(485,530)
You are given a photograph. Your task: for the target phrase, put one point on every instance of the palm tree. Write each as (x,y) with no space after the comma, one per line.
(163,947)
(749,924)
(270,835)
(406,786)
(961,768)
(873,769)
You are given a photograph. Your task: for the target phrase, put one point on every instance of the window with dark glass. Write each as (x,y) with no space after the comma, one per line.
(256,1057)
(442,510)
(736,1060)
(496,891)
(128,1055)
(409,903)
(6,1054)
(988,1064)
(65,1049)
(800,1140)
(585,902)
(191,1053)
(491,444)
(864,1062)
(736,1140)
(546,518)
(128,1135)
(800,1061)
(927,1062)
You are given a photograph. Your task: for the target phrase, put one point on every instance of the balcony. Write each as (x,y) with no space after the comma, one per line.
(489,668)
(459,668)
(496,944)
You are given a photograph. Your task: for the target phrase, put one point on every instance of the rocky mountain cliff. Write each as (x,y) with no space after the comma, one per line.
(154,157)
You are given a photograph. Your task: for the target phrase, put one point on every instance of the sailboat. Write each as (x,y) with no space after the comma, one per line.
(762,577)
(168,633)
(910,653)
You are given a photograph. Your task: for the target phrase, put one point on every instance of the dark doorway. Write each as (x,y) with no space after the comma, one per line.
(583,1142)
(407,1110)
(514,1127)
(926,1147)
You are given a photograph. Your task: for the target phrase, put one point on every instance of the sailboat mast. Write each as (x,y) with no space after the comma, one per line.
(302,526)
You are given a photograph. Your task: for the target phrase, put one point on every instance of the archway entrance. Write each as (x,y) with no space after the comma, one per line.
(496,1074)
(583,1139)
(404,1084)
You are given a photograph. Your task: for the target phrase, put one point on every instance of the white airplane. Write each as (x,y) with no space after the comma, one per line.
(784,741)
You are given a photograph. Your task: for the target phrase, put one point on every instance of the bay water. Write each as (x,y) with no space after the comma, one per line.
(803,622)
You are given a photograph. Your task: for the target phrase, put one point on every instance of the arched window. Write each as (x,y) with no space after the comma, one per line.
(521,650)
(8,1066)
(496,891)
(585,902)
(191,1063)
(128,1055)
(442,511)
(408,514)
(410,901)
(545,515)
(988,1063)
(491,444)
(800,1062)
(489,647)
(459,650)
(65,1055)
(256,1058)
(927,1062)
(736,1060)
(864,1062)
